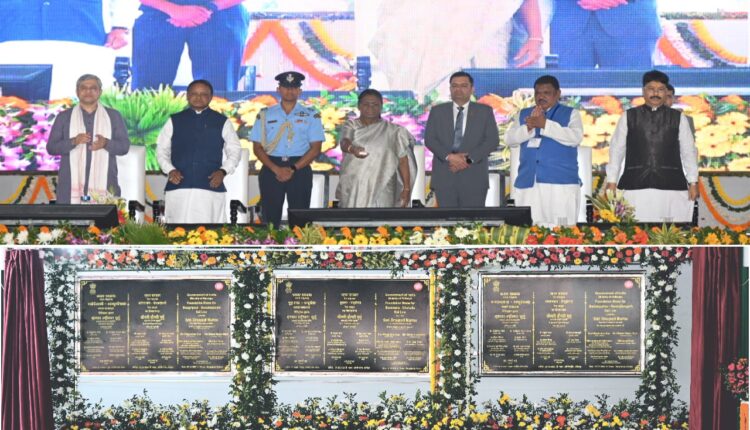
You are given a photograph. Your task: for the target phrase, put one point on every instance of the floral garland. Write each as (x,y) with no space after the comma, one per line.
(727,202)
(677,49)
(314,42)
(473,235)
(695,44)
(61,307)
(20,192)
(659,385)
(254,400)
(252,344)
(325,38)
(703,35)
(296,36)
(276,29)
(724,218)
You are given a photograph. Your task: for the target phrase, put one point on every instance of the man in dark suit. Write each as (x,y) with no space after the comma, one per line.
(461,135)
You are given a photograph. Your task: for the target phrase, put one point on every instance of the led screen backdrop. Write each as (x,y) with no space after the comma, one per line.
(406,49)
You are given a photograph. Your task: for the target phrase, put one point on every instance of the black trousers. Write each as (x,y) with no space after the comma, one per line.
(272,192)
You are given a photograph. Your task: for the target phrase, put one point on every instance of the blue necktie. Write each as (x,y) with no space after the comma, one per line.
(458,130)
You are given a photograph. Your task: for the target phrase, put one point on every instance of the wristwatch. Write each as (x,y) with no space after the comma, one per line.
(469,160)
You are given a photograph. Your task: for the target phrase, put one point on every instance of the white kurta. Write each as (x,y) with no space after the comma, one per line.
(551,204)
(652,204)
(195,205)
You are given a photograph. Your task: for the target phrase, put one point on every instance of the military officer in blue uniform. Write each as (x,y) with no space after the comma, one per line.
(286,138)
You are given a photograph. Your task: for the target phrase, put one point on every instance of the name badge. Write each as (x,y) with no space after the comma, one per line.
(534,142)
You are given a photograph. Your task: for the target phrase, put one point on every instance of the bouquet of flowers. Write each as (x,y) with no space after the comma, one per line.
(611,206)
(736,378)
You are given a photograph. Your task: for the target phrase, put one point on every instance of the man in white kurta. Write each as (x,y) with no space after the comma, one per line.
(197,148)
(548,135)
(653,157)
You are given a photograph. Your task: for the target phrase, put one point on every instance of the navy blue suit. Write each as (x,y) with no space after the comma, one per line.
(215,47)
(622,37)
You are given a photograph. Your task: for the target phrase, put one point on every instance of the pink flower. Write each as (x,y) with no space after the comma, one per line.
(15,164)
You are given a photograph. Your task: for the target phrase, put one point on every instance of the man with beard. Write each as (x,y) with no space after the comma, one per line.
(660,173)
(547,179)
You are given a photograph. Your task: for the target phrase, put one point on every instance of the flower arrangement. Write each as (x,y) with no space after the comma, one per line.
(382,236)
(387,412)
(736,378)
(611,206)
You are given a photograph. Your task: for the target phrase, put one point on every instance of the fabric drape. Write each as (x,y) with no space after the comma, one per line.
(715,335)
(27,402)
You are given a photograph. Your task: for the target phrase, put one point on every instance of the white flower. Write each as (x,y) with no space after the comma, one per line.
(43,237)
(245,356)
(461,232)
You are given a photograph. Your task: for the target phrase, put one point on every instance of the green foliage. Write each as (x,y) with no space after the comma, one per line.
(666,235)
(145,112)
(145,234)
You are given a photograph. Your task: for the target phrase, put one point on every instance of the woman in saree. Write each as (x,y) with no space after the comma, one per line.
(378,168)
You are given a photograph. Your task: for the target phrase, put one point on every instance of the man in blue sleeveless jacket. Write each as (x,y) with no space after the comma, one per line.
(549,135)
(189,150)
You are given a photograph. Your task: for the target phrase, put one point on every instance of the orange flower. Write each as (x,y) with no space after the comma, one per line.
(14,102)
(297,232)
(3,229)
(210,261)
(735,100)
(621,237)
(399,229)
(696,104)
(609,103)
(640,236)
(383,231)
(94,230)
(22,228)
(418,228)
(44,229)
(497,103)
(597,234)
(346,232)
(266,99)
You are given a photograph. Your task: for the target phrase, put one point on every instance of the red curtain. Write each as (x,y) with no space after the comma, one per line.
(715,337)
(26,390)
